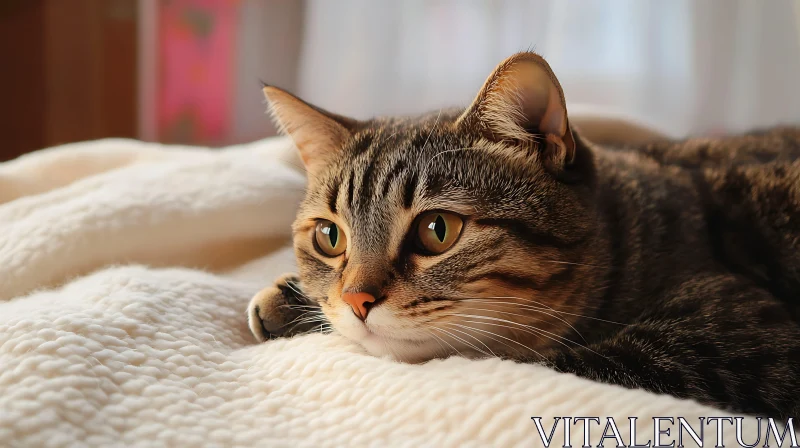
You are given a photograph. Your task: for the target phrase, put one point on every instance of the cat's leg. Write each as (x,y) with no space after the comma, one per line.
(719,340)
(282,310)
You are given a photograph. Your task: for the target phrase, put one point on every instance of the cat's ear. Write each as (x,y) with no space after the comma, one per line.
(522,102)
(319,135)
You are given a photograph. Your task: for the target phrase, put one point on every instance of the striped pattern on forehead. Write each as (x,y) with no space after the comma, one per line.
(394,169)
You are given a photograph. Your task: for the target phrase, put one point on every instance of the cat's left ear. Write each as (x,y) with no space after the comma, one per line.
(522,103)
(318,134)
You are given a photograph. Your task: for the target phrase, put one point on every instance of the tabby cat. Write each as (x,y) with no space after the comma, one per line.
(498,230)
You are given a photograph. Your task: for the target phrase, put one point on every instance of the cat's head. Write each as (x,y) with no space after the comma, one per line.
(459,231)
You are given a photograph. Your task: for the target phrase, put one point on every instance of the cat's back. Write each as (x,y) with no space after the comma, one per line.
(779,144)
(743,193)
(752,208)
(758,171)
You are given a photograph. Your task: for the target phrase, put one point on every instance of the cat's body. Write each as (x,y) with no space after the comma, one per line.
(671,266)
(703,241)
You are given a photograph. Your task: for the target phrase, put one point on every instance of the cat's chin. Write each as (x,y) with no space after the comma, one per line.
(403,350)
(383,337)
(382,345)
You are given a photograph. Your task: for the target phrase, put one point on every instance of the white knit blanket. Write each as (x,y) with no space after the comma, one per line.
(125,271)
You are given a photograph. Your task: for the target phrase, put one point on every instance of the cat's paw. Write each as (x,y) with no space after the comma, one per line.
(282,310)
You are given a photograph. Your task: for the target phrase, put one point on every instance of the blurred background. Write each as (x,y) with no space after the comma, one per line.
(188,71)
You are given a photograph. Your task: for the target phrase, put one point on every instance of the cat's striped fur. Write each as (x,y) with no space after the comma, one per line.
(671,266)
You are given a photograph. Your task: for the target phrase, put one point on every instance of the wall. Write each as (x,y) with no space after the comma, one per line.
(69,72)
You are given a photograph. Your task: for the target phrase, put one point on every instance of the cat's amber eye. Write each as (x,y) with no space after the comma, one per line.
(438,231)
(330,239)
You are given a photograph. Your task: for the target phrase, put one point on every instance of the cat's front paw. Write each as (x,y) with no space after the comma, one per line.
(282,310)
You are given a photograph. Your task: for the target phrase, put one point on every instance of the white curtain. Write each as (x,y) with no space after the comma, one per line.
(691,66)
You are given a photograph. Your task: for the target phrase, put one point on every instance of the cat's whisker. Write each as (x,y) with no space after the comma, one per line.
(569,263)
(468,343)
(293,306)
(304,319)
(494,300)
(300,321)
(311,329)
(389,346)
(466,327)
(538,331)
(525,328)
(528,329)
(393,134)
(291,329)
(440,340)
(435,123)
(304,315)
(318,317)
(536,302)
(445,151)
(554,310)
(532,308)
(539,311)
(451,345)
(476,339)
(492,334)
(323,328)
(303,311)
(306,312)
(313,323)
(541,308)
(297,290)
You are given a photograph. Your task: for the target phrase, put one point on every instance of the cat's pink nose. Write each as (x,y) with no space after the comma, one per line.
(360,302)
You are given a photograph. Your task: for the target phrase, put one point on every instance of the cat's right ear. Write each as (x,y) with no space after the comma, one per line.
(522,102)
(318,134)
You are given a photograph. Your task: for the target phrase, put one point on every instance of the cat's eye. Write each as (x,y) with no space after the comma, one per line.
(438,231)
(330,239)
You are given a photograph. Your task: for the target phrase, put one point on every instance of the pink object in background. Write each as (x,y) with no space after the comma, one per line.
(197,43)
